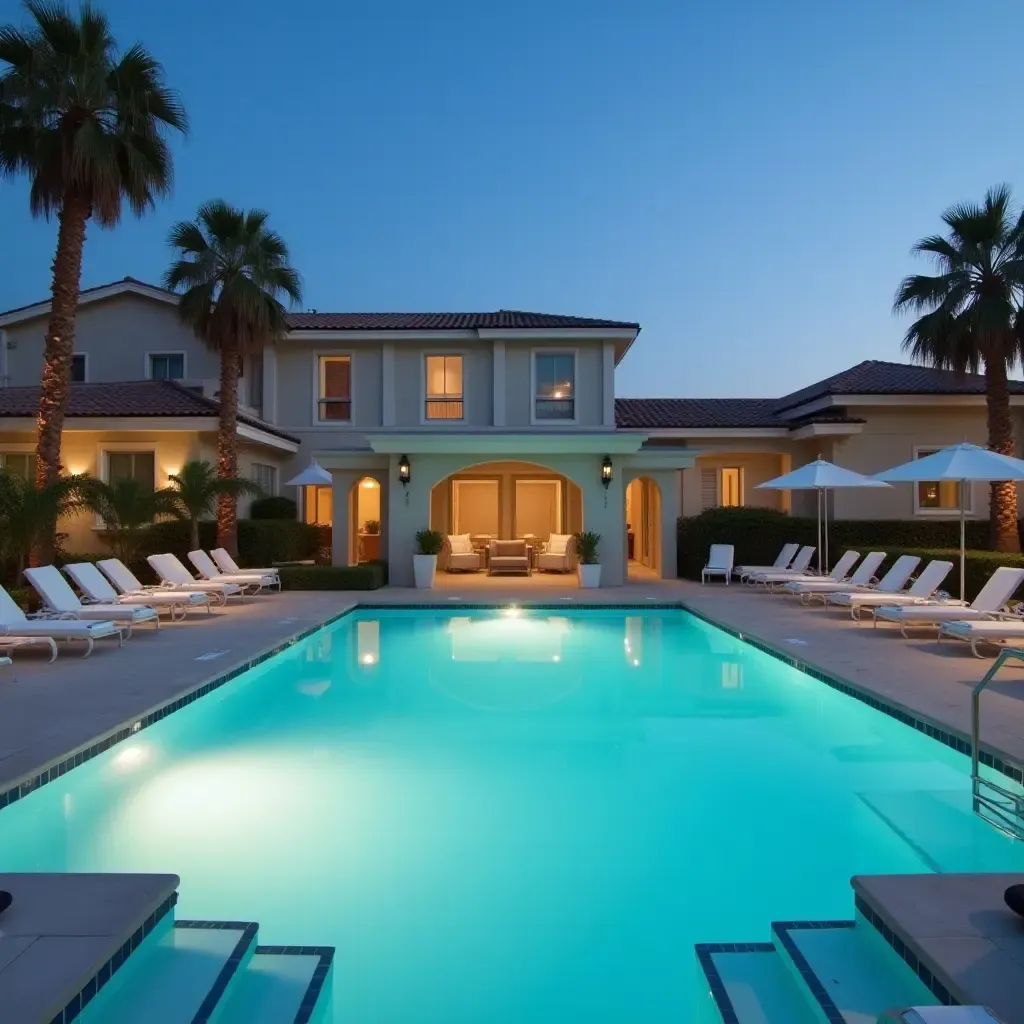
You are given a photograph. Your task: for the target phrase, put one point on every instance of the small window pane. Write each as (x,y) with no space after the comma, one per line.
(139,466)
(22,464)
(265,477)
(335,399)
(732,492)
(940,495)
(78,369)
(444,388)
(167,366)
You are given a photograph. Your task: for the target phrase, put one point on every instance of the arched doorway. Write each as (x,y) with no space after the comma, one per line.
(643,529)
(364,517)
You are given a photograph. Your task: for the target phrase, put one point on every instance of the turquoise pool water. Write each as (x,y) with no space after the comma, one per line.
(514,817)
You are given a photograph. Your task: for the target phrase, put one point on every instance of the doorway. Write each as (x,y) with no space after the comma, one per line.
(643,527)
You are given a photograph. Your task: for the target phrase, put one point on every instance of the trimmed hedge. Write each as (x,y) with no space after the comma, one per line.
(758,534)
(368,576)
(273,507)
(978,566)
(260,541)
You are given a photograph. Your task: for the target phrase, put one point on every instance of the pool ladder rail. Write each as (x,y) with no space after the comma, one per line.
(999,806)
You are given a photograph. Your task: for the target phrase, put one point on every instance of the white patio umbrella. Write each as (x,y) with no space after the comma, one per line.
(964,463)
(314,475)
(820,476)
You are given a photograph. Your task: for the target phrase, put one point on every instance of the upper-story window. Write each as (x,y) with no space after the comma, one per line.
(444,388)
(555,385)
(166,365)
(334,401)
(78,374)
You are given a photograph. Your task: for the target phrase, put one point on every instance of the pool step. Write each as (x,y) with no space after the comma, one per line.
(182,975)
(813,972)
(282,985)
(846,971)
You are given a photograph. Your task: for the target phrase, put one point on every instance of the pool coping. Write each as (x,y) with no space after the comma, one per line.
(33,779)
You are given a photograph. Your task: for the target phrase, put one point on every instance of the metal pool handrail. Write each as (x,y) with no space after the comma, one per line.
(995,804)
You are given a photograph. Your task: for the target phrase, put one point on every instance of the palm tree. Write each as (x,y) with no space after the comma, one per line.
(970,320)
(231,269)
(29,513)
(88,126)
(127,507)
(196,489)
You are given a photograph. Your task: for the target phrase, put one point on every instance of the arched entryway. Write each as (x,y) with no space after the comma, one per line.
(364,521)
(643,529)
(504,500)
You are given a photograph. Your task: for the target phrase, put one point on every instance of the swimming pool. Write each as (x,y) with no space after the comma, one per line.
(508,815)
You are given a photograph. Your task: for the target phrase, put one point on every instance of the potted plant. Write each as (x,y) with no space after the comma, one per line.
(589,568)
(372,527)
(424,562)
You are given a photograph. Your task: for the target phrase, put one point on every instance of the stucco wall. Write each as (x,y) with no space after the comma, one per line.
(518,381)
(757,468)
(298,388)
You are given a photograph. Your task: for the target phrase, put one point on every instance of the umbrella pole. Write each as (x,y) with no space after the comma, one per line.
(824,530)
(819,532)
(963,538)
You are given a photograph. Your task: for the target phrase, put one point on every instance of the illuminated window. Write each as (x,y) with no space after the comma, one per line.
(938,497)
(335,397)
(731,486)
(555,382)
(444,388)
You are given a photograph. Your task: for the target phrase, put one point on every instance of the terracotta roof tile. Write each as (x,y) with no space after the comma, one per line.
(508,319)
(127,398)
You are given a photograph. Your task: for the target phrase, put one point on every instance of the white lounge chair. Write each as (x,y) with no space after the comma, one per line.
(994,632)
(786,556)
(861,579)
(170,569)
(922,590)
(128,583)
(719,563)
(97,589)
(60,599)
(254,580)
(989,604)
(229,566)
(797,570)
(10,643)
(15,624)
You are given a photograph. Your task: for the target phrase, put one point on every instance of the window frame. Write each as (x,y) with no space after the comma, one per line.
(536,421)
(84,356)
(271,491)
(920,450)
(106,448)
(21,450)
(148,368)
(318,357)
(426,421)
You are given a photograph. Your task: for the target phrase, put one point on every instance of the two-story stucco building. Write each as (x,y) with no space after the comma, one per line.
(506,423)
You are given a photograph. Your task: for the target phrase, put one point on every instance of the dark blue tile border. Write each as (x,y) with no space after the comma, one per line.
(93,986)
(705,952)
(781,930)
(956,741)
(904,952)
(316,983)
(230,968)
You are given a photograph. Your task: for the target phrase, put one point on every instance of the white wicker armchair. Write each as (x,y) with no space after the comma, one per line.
(458,554)
(557,554)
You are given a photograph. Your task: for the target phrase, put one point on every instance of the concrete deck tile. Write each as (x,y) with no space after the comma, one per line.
(977,971)
(12,946)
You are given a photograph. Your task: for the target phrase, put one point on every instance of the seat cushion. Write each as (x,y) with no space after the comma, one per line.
(508,549)
(459,544)
(557,543)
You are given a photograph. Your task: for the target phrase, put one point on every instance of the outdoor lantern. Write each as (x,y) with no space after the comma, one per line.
(606,471)
(404,471)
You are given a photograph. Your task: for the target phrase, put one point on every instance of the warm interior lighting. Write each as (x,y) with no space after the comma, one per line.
(606,471)
(367,482)
(404,470)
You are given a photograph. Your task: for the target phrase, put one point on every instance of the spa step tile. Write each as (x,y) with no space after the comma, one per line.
(186,977)
(282,985)
(846,971)
(749,984)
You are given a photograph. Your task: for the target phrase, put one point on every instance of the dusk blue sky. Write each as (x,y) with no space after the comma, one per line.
(745,179)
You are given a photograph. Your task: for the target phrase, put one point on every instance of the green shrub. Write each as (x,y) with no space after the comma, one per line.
(26,599)
(368,576)
(260,541)
(758,534)
(273,507)
(978,566)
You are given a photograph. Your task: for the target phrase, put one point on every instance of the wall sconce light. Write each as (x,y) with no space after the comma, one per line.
(606,471)
(404,475)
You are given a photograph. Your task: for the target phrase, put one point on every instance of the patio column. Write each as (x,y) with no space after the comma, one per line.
(606,518)
(342,481)
(671,510)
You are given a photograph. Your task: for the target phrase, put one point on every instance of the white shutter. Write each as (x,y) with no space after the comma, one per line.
(709,488)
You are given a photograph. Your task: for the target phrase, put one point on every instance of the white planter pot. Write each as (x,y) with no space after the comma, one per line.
(589,575)
(423,569)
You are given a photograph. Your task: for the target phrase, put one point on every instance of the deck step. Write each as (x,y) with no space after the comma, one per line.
(282,985)
(185,977)
(845,968)
(749,984)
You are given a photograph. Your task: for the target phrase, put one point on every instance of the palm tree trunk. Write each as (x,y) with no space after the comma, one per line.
(1003,508)
(59,347)
(227,447)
